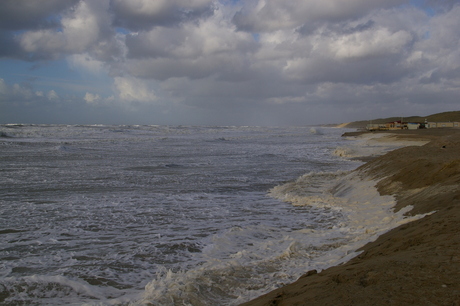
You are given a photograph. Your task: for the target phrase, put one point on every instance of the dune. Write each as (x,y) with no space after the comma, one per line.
(416,263)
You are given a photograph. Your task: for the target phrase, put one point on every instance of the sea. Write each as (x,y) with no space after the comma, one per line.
(176,215)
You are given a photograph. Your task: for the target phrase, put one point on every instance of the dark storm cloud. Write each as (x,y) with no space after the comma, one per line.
(85,27)
(8,45)
(27,14)
(20,15)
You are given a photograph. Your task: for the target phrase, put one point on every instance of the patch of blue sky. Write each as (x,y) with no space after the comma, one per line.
(230,2)
(54,21)
(13,71)
(423,5)
(122,31)
(55,76)
(427,35)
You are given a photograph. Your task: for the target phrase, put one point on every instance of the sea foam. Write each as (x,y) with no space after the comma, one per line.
(359,214)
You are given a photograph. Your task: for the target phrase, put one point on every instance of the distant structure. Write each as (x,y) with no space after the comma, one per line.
(400,125)
(433,125)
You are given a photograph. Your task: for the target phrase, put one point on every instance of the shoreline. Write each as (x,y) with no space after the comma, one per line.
(415,263)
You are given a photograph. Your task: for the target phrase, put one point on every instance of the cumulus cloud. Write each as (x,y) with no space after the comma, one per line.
(52,95)
(91,98)
(14,92)
(247,57)
(86,27)
(86,63)
(272,15)
(25,14)
(195,50)
(17,93)
(79,30)
(377,43)
(132,90)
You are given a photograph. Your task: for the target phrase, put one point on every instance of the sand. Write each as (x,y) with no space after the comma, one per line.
(342,125)
(414,264)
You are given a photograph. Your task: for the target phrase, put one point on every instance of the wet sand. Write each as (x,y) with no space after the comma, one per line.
(414,264)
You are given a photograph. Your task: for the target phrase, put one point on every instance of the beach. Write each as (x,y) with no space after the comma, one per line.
(417,263)
(160,215)
(175,215)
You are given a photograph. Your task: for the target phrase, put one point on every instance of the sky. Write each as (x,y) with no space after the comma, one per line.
(227,62)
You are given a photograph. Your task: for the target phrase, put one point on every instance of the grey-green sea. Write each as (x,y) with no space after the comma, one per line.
(169,215)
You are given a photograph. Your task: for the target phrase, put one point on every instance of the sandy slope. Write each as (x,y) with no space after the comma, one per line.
(414,264)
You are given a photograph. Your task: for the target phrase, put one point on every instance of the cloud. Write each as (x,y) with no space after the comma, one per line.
(84,29)
(79,30)
(137,15)
(372,43)
(26,14)
(273,15)
(132,90)
(238,60)
(443,39)
(52,95)
(23,94)
(193,50)
(91,98)
(86,63)
(15,92)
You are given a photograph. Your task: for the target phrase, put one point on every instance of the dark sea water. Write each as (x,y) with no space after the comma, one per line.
(171,215)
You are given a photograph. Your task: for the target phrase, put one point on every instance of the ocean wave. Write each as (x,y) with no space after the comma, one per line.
(111,209)
(355,196)
(52,289)
(241,263)
(316,131)
(309,189)
(5,135)
(345,152)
